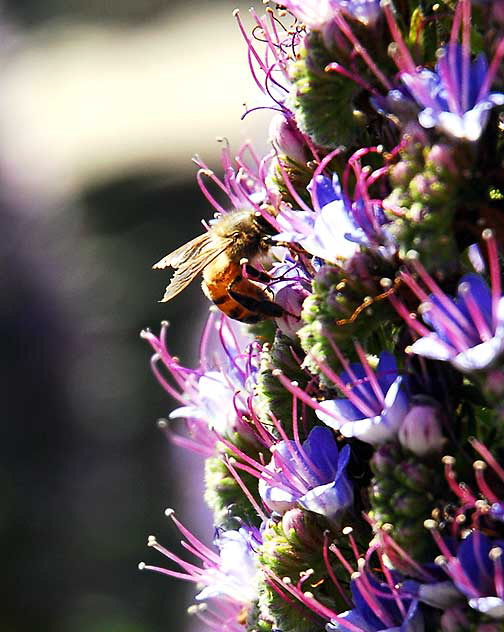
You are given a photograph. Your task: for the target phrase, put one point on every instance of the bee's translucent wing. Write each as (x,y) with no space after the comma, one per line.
(184,253)
(189,260)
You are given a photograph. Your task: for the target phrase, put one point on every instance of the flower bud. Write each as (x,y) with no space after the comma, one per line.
(441,157)
(287,138)
(420,431)
(296,522)
(291,299)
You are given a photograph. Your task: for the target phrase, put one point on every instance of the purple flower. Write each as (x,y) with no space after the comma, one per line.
(234,575)
(227,578)
(379,607)
(468,330)
(312,475)
(477,570)
(375,405)
(456,96)
(216,395)
(290,285)
(330,232)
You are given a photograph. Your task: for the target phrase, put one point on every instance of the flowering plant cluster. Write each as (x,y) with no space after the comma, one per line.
(354,439)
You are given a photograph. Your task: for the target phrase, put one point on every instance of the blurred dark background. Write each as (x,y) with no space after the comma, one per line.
(102,104)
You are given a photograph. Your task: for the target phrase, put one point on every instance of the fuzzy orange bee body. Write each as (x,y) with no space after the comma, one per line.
(218,254)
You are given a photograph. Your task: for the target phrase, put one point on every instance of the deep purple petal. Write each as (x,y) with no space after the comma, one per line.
(386,371)
(473,556)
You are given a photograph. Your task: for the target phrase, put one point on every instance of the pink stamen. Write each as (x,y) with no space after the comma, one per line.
(273,46)
(265,437)
(371,376)
(440,295)
(292,191)
(195,573)
(349,393)
(495,276)
(486,454)
(483,486)
(391,584)
(330,572)
(445,551)
(305,466)
(323,164)
(406,60)
(459,338)
(361,50)
(251,47)
(492,71)
(205,340)
(245,490)
(353,545)
(190,444)
(389,542)
(199,177)
(164,382)
(411,320)
(356,388)
(462,492)
(476,315)
(170,573)
(310,602)
(344,72)
(208,553)
(304,397)
(344,562)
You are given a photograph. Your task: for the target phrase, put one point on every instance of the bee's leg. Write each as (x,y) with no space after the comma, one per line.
(255,274)
(260,306)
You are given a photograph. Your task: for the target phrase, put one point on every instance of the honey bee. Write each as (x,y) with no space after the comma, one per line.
(219,253)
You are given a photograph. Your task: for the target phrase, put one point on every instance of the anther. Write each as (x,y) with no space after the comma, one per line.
(440,560)
(495,553)
(412,255)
